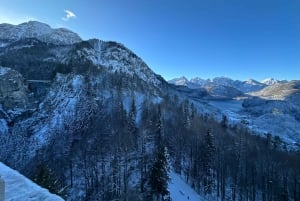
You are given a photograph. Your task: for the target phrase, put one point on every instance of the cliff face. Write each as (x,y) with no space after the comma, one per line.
(13,90)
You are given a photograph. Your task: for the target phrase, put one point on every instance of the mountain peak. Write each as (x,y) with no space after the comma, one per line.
(38,30)
(35,23)
(244,86)
(270,81)
(253,82)
(183,81)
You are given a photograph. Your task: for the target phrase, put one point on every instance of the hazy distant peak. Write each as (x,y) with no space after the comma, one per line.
(197,82)
(200,81)
(253,82)
(272,81)
(183,81)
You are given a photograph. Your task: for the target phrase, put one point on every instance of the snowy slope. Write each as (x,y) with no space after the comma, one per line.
(182,81)
(181,191)
(272,81)
(280,91)
(38,30)
(19,188)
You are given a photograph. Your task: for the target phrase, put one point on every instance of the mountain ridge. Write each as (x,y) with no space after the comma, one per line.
(33,29)
(197,82)
(96,121)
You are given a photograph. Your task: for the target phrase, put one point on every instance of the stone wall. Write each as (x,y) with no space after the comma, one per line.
(2,189)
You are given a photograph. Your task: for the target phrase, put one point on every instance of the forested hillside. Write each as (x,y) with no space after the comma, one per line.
(95,123)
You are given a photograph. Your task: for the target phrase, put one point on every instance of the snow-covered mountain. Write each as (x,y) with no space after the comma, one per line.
(91,117)
(219,87)
(61,95)
(243,86)
(262,103)
(280,91)
(33,29)
(182,81)
(272,81)
(20,188)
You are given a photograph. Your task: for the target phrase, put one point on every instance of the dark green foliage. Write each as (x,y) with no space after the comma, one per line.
(46,178)
(106,148)
(207,162)
(159,177)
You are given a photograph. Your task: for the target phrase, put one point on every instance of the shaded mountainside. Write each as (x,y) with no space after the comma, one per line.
(94,122)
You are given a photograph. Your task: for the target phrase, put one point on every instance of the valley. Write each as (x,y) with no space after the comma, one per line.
(90,120)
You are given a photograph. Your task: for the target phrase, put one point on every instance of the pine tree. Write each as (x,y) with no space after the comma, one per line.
(209,152)
(132,117)
(158,134)
(159,177)
(46,178)
(224,121)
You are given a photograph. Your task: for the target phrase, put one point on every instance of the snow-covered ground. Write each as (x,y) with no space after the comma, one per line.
(232,109)
(181,191)
(19,188)
(275,118)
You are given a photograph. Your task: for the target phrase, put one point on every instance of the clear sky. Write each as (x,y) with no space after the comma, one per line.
(240,39)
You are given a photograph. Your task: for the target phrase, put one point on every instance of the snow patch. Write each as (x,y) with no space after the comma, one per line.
(3,126)
(3,44)
(3,70)
(41,31)
(19,188)
(77,82)
(181,191)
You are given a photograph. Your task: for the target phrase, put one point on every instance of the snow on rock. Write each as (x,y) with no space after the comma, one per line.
(41,31)
(279,91)
(64,97)
(2,44)
(272,81)
(118,58)
(4,70)
(244,86)
(181,191)
(3,126)
(19,188)
(182,81)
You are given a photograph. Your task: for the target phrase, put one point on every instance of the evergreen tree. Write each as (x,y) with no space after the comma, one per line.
(159,177)
(224,121)
(46,178)
(132,117)
(209,152)
(158,134)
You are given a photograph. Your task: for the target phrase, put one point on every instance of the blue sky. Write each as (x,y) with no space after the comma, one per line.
(236,38)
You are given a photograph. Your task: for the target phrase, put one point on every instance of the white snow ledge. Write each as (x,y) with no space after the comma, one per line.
(19,188)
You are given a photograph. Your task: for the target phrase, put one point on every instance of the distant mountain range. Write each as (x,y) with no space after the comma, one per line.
(89,120)
(268,106)
(250,85)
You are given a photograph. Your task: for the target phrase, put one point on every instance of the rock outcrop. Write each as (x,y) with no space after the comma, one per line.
(13,90)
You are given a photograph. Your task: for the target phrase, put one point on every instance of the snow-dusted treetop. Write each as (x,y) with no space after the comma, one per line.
(41,31)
